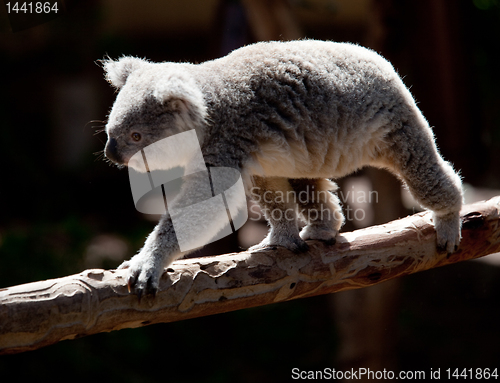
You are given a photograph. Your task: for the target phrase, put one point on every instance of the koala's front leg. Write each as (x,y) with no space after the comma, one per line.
(146,267)
(162,246)
(197,216)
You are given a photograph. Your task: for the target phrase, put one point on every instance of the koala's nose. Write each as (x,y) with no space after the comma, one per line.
(111,150)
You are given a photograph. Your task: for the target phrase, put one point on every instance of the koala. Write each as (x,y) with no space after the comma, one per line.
(290,117)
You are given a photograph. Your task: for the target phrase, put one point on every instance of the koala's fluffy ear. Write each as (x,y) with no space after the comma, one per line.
(183,96)
(117,72)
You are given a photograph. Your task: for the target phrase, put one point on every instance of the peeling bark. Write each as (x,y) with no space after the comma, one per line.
(38,314)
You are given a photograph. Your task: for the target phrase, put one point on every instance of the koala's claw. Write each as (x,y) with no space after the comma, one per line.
(130,284)
(299,247)
(330,242)
(446,248)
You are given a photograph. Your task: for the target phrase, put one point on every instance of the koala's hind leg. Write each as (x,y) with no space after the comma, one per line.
(430,179)
(319,207)
(276,199)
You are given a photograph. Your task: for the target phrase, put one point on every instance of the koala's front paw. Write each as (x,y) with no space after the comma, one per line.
(448,232)
(144,272)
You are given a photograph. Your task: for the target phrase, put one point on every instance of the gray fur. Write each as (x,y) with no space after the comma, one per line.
(288,116)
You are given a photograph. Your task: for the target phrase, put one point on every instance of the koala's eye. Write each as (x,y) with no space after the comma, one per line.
(136,136)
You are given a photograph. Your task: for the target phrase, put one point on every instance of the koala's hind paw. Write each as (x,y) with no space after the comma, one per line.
(322,233)
(295,244)
(143,276)
(448,232)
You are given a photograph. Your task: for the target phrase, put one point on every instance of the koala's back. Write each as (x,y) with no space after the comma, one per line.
(314,108)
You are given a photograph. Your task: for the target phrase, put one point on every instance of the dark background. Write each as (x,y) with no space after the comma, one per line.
(63,209)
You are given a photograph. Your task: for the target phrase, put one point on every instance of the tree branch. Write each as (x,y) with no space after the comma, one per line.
(38,314)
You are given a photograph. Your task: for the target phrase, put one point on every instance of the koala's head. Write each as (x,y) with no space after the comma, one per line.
(155,101)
